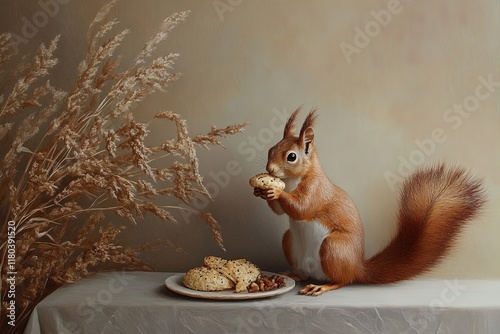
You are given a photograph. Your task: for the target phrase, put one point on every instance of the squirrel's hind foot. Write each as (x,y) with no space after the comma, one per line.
(317,290)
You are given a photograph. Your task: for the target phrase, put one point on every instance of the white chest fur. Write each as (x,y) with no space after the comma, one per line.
(291,184)
(306,239)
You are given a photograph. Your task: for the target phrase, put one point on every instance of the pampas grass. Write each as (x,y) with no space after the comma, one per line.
(71,157)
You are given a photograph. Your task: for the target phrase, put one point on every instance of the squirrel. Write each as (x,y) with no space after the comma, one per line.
(325,239)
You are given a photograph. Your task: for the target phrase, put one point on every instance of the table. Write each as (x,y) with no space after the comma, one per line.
(139,302)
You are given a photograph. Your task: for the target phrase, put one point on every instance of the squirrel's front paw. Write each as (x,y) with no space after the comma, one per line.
(273,194)
(257,192)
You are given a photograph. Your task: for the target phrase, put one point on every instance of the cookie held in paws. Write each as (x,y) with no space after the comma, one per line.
(266,181)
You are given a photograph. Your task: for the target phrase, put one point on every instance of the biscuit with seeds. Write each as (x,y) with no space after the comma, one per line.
(266,181)
(214,262)
(241,272)
(206,279)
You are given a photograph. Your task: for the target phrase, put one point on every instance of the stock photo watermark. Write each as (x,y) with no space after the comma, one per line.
(450,293)
(89,309)
(426,320)
(224,6)
(104,296)
(371,29)
(453,118)
(11,274)
(32,24)
(265,315)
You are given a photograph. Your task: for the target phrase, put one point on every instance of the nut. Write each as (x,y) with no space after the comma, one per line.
(266,283)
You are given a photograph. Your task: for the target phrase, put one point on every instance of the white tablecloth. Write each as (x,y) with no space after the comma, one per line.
(139,302)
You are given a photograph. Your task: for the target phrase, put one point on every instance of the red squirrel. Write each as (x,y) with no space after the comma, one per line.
(325,240)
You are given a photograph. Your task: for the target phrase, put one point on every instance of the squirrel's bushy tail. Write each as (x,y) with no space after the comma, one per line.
(435,204)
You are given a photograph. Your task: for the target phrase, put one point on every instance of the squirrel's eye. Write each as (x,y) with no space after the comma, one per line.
(291,157)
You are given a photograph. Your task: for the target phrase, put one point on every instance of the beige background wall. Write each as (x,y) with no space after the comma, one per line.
(388,91)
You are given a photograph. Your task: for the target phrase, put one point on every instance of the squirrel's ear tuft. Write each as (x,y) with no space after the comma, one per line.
(309,121)
(290,124)
(306,136)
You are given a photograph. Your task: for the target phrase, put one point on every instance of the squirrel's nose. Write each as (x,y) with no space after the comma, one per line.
(270,169)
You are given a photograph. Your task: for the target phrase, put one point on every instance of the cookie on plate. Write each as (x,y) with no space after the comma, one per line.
(206,279)
(214,262)
(241,272)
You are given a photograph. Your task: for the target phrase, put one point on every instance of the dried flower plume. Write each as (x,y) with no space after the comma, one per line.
(84,155)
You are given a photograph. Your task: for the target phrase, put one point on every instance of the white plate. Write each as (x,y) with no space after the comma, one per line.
(174,283)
